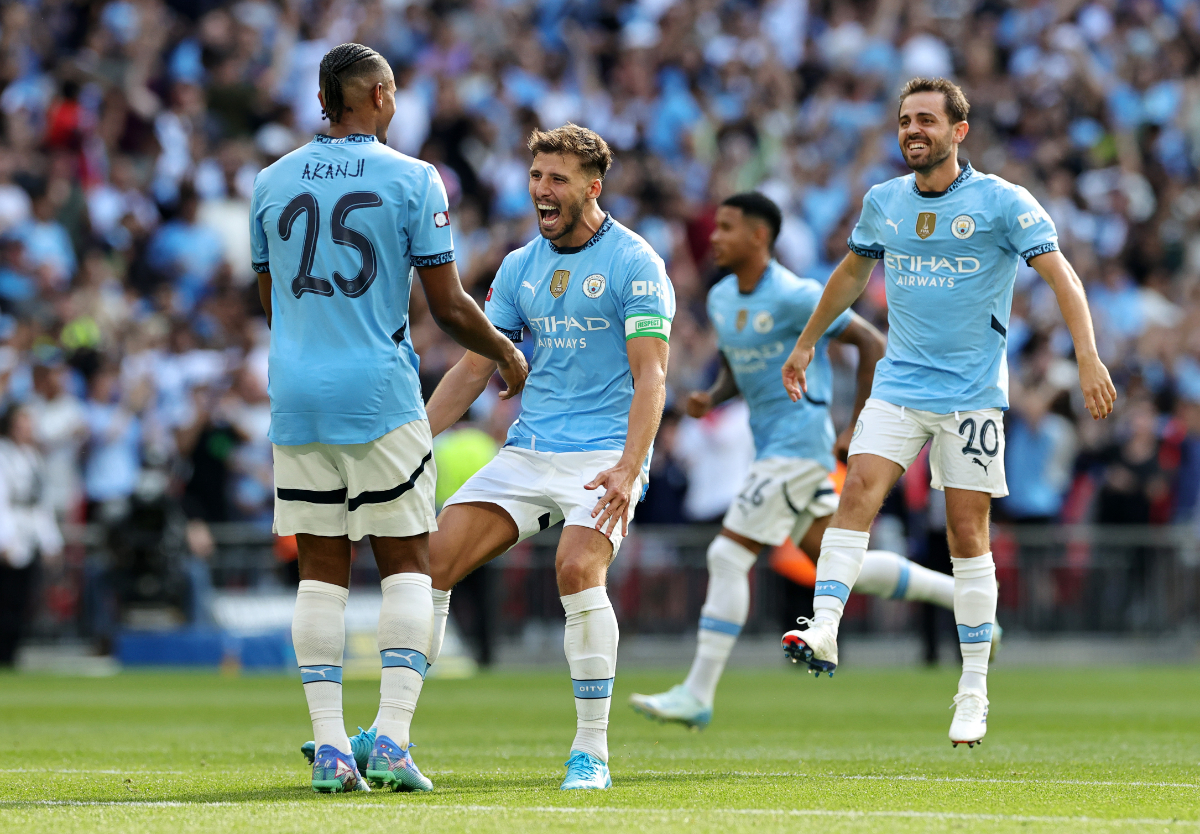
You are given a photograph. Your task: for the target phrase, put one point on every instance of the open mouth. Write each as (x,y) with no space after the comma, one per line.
(548,214)
(917,145)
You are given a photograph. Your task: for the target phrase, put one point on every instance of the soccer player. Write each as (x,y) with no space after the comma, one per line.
(950,239)
(597,301)
(758,310)
(336,228)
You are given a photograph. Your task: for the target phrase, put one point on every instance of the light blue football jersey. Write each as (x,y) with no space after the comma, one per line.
(581,305)
(339,223)
(950,262)
(756,331)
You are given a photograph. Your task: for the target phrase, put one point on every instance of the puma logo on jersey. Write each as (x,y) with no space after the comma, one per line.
(532,287)
(981,463)
(895,225)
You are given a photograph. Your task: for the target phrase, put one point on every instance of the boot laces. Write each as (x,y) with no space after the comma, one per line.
(969,706)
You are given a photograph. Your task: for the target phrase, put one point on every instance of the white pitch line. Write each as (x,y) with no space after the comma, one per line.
(903,778)
(542,809)
(114,772)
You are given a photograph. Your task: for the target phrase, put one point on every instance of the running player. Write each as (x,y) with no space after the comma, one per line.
(597,301)
(352,444)
(950,239)
(757,311)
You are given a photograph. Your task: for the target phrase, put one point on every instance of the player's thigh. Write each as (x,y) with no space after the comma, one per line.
(572,470)
(582,560)
(967,452)
(887,439)
(390,483)
(469,535)
(310,493)
(775,496)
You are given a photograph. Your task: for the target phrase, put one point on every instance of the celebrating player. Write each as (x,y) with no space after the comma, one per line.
(950,239)
(598,303)
(352,444)
(757,311)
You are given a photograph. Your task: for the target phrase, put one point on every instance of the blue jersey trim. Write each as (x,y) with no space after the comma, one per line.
(593,689)
(352,139)
(514,336)
(1040,249)
(432,260)
(864,252)
(542,444)
(975,634)
(261,267)
(592,241)
(962,177)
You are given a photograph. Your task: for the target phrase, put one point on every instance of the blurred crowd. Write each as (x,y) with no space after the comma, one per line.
(133,358)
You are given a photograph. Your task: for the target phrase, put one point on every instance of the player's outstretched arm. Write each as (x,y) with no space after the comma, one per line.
(648,364)
(459,315)
(460,387)
(871,347)
(845,285)
(1099,394)
(723,388)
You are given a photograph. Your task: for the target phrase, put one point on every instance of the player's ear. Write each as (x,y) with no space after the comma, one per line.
(594,189)
(960,131)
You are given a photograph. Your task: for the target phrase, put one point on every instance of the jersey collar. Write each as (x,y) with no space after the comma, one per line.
(766,273)
(352,139)
(592,241)
(962,177)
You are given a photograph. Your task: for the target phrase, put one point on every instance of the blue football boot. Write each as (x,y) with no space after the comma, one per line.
(677,704)
(335,772)
(360,746)
(392,766)
(586,772)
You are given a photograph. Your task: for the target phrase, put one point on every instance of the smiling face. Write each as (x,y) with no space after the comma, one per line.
(560,188)
(927,137)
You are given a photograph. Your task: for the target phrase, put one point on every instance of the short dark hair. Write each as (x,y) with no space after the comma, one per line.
(587,145)
(340,64)
(755,204)
(957,106)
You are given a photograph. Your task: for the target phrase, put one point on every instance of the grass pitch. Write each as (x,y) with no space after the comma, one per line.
(1071,751)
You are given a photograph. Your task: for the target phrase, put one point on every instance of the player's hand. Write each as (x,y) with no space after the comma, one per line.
(699,403)
(1099,394)
(614,504)
(794,368)
(513,372)
(841,446)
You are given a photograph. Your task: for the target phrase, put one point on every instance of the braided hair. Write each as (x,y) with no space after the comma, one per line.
(333,64)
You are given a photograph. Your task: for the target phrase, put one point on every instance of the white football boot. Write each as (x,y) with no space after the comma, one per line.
(970,719)
(816,645)
(677,704)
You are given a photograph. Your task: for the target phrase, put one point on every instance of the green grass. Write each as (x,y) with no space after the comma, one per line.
(1073,751)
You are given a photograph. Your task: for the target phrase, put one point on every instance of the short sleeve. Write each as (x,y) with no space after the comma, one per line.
(500,306)
(1030,231)
(430,240)
(867,238)
(649,298)
(260,259)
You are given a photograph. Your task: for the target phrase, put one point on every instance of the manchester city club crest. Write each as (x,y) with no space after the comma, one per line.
(963,226)
(740,322)
(558,282)
(926,223)
(763,322)
(593,286)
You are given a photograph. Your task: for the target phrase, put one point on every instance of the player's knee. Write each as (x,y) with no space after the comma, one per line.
(576,574)
(967,537)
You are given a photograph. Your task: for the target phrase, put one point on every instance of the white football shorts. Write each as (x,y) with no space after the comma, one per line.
(381,488)
(967,450)
(780,499)
(540,489)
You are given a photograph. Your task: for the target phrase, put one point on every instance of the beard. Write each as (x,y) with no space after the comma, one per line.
(937,154)
(569,213)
